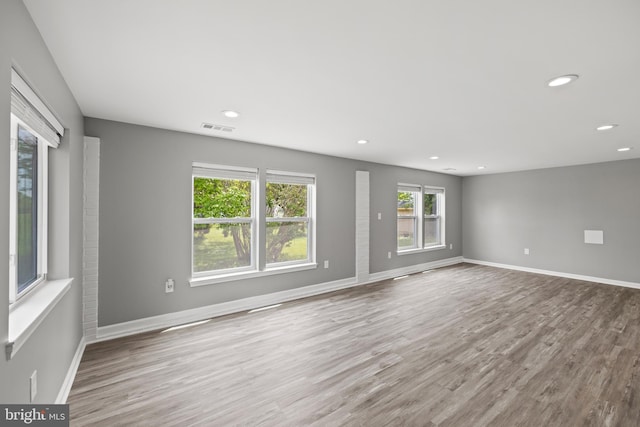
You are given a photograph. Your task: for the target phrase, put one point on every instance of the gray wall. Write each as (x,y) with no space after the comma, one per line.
(145,224)
(52,346)
(383,199)
(548,210)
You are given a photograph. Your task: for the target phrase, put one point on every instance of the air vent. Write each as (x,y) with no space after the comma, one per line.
(220,128)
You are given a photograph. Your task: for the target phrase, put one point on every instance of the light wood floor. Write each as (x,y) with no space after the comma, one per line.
(459,346)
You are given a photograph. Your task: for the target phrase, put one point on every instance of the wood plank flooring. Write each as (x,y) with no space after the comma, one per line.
(459,346)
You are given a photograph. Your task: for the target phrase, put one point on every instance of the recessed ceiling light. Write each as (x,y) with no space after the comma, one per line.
(363,141)
(606,127)
(231,114)
(624,149)
(482,167)
(562,80)
(434,158)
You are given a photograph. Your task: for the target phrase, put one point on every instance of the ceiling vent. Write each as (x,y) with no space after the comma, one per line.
(220,128)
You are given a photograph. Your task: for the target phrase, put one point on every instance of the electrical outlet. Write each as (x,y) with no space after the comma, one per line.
(326,263)
(379,216)
(450,246)
(526,251)
(389,255)
(33,385)
(168,286)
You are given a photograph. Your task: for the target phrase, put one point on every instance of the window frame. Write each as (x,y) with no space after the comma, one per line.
(32,114)
(29,307)
(202,170)
(420,218)
(417,223)
(42,206)
(259,266)
(281,177)
(439,192)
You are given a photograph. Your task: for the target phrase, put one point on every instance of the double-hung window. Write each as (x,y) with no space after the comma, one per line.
(224,220)
(433,217)
(288,214)
(34,130)
(232,238)
(408,210)
(420,218)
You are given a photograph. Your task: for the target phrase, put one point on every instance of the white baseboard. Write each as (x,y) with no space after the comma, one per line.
(390,274)
(557,273)
(201,313)
(63,394)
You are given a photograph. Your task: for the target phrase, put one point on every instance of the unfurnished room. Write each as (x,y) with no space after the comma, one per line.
(337,213)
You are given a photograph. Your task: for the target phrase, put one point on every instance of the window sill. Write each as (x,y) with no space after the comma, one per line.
(211,280)
(28,313)
(421,250)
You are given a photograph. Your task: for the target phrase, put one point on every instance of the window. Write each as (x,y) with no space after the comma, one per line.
(232,238)
(420,217)
(433,217)
(408,217)
(34,130)
(224,224)
(288,218)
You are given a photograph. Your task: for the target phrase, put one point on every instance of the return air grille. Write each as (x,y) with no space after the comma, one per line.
(220,128)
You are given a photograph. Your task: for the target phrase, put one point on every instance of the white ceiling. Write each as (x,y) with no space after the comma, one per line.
(463,80)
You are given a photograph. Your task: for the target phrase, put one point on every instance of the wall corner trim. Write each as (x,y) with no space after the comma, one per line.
(63,394)
(602,280)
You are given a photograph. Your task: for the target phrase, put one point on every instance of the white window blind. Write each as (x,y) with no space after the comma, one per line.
(223,172)
(409,188)
(430,190)
(29,108)
(289,178)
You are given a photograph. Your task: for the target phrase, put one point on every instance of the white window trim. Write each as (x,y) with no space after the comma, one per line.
(421,250)
(417,217)
(30,312)
(283,177)
(421,190)
(43,209)
(258,269)
(222,278)
(441,204)
(226,172)
(28,309)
